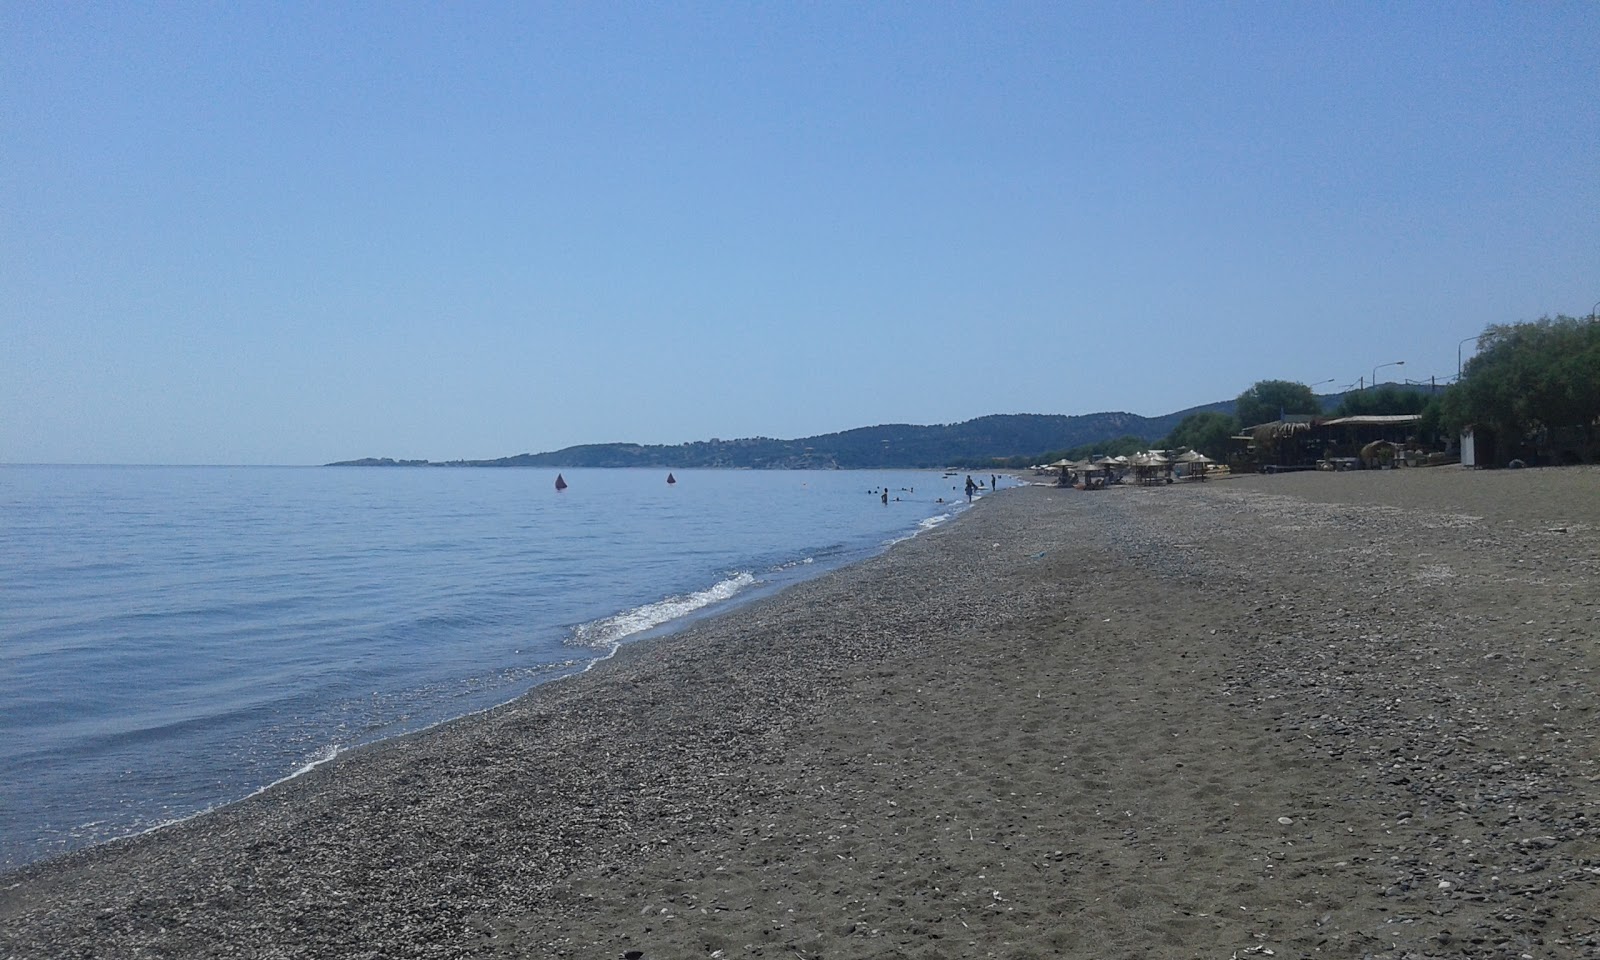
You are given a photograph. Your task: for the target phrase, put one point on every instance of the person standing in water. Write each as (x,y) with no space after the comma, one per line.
(971,486)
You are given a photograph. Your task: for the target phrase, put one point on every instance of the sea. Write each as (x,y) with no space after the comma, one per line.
(174,639)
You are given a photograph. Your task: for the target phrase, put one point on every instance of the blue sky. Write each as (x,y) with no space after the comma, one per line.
(296,233)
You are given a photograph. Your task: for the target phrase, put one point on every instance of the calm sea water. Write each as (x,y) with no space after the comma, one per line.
(176,638)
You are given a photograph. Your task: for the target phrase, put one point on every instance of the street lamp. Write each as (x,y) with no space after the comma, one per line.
(1392,363)
(1458,352)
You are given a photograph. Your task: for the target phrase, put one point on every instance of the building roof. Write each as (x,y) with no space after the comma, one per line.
(1374,420)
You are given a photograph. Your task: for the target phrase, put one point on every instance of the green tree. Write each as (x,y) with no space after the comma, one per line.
(1122,446)
(1207,432)
(1269,400)
(1530,379)
(1386,400)
(1432,425)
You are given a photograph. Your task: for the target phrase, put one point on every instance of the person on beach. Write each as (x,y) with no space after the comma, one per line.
(971,486)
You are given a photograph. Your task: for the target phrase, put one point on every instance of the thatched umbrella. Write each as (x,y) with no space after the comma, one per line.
(1195,458)
(1149,465)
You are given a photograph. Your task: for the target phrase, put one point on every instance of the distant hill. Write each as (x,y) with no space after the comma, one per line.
(898,445)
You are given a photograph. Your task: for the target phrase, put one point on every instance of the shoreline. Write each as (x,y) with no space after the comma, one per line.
(1065,723)
(44,815)
(733,607)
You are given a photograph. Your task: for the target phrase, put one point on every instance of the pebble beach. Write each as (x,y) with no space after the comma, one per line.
(1311,715)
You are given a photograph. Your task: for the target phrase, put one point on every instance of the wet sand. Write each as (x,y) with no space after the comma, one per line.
(1316,715)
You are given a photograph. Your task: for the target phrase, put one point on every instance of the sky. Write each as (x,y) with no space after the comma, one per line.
(295,233)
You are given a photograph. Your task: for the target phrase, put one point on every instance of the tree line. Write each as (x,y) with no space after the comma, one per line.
(1533,386)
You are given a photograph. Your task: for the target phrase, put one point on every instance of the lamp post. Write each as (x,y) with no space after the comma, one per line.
(1392,363)
(1458,352)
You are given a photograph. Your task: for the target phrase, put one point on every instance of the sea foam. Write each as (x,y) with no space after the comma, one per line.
(609,631)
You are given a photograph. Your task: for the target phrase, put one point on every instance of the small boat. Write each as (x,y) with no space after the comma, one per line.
(671,479)
(561,483)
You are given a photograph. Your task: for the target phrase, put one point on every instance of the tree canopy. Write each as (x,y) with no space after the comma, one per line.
(1385,400)
(1207,432)
(1117,447)
(1532,378)
(1269,400)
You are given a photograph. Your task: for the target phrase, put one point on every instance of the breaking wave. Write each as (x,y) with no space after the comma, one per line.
(609,631)
(923,526)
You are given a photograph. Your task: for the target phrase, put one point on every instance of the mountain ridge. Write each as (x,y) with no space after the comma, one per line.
(975,443)
(891,445)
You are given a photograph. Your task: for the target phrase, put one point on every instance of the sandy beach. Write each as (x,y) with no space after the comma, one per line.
(1314,715)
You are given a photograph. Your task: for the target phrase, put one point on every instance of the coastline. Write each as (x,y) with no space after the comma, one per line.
(1062,723)
(138,707)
